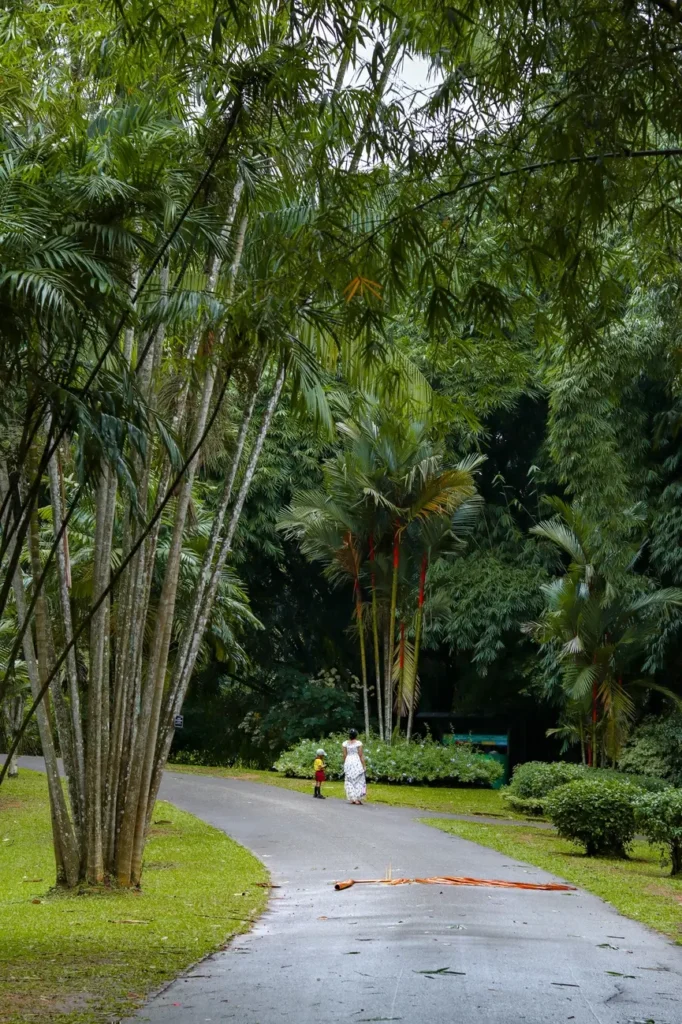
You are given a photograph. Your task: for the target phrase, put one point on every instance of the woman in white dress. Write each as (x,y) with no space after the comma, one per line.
(354,769)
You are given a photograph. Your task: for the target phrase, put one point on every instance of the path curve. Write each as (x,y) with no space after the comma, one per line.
(319,956)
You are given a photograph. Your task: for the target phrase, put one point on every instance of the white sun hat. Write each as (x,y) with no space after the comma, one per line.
(321,752)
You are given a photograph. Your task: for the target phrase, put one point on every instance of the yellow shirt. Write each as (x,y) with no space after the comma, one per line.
(319,764)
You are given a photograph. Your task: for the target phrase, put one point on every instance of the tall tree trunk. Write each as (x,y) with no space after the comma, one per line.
(138,785)
(391,635)
(133,826)
(375,637)
(363,655)
(207,567)
(44,646)
(593,744)
(401,675)
(67,858)
(132,615)
(417,641)
(582,742)
(98,679)
(183,672)
(77,791)
(13,711)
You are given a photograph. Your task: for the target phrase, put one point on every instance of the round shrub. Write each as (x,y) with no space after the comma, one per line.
(533,781)
(536,779)
(597,812)
(659,817)
(421,761)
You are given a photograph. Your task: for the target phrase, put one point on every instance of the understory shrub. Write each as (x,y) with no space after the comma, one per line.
(597,812)
(533,781)
(408,763)
(659,817)
(655,747)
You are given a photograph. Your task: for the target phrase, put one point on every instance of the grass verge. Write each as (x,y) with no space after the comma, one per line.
(95,956)
(429,798)
(639,887)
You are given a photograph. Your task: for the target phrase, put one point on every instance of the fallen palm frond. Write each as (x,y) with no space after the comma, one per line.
(457,880)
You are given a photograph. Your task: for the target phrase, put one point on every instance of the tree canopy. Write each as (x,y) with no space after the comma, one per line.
(296,361)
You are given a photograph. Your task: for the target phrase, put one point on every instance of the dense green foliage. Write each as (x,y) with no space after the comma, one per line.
(596,812)
(655,748)
(200,208)
(401,762)
(659,818)
(532,782)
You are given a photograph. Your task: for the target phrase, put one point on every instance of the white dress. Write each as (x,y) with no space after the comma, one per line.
(355,779)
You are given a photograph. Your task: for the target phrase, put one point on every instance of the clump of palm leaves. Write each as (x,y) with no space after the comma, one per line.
(599,618)
(389,503)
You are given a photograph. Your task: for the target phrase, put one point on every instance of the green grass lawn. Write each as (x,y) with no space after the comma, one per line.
(92,957)
(638,887)
(429,798)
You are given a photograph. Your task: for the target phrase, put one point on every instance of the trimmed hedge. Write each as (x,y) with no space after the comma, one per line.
(659,817)
(413,763)
(533,781)
(597,812)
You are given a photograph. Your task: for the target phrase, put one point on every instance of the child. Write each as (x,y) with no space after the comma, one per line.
(319,773)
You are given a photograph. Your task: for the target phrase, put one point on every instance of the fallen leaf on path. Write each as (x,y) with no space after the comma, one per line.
(617,974)
(440,970)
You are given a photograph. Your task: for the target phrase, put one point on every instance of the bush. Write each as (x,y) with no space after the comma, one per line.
(659,817)
(533,781)
(597,812)
(407,763)
(655,748)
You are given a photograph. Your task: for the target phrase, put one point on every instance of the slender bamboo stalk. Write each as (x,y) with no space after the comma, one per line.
(379,91)
(401,673)
(363,654)
(417,641)
(593,747)
(391,635)
(180,682)
(201,590)
(13,711)
(63,585)
(44,645)
(375,637)
(67,858)
(96,683)
(133,827)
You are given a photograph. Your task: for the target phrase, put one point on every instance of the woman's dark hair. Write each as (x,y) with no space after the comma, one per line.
(352,734)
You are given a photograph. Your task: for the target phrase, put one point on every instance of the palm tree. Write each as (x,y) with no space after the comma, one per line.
(386,493)
(598,623)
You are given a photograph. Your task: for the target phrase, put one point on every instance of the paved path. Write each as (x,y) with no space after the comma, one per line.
(372,953)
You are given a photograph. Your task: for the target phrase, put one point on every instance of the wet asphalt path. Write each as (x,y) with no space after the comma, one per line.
(372,953)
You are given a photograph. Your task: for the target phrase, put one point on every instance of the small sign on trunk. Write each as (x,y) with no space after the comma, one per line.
(178,721)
